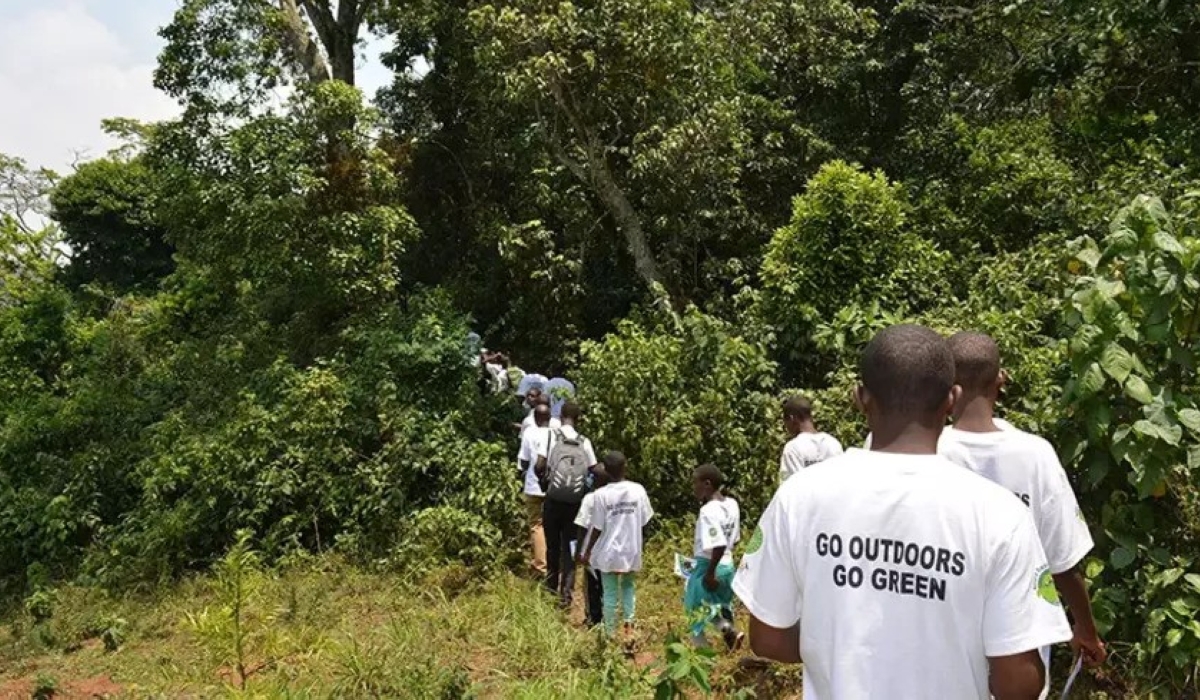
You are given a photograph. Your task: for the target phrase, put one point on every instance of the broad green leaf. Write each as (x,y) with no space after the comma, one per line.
(1147,428)
(1193,580)
(1116,361)
(1138,390)
(1084,338)
(1174,636)
(1190,417)
(1094,567)
(1193,457)
(1089,254)
(1092,380)
(1121,558)
(1167,243)
(1182,608)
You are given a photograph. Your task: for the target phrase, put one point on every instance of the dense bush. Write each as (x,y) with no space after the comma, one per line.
(672,393)
(1132,430)
(848,243)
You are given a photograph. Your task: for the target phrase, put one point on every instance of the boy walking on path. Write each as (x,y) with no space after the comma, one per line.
(563,467)
(533,441)
(1028,466)
(896,573)
(708,595)
(594,590)
(806,445)
(619,514)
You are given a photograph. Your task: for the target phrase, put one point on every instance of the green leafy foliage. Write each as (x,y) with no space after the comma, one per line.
(106,211)
(675,393)
(1134,328)
(682,668)
(848,243)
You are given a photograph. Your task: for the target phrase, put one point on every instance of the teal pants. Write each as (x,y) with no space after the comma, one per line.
(618,587)
(704,607)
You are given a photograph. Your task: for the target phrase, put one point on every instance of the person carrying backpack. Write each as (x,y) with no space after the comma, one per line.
(563,467)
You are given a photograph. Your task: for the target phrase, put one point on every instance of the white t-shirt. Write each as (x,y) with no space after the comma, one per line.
(718,525)
(619,512)
(904,573)
(947,448)
(807,449)
(584,518)
(533,442)
(529,422)
(1027,465)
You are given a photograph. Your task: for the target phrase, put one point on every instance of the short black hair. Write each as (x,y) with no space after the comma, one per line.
(709,473)
(541,410)
(571,411)
(614,463)
(976,360)
(908,369)
(797,407)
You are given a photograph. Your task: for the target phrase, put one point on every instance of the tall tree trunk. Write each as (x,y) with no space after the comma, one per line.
(596,173)
(305,50)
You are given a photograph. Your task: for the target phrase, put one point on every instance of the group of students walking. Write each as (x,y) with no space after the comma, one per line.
(932,564)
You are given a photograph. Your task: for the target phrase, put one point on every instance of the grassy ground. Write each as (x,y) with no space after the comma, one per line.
(324,629)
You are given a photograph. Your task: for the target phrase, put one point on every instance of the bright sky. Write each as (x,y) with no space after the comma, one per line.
(67,64)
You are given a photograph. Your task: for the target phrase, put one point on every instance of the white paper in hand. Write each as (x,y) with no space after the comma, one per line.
(1074,674)
(684,566)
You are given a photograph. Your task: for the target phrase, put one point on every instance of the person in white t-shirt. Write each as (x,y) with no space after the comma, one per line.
(534,399)
(806,445)
(1028,466)
(892,572)
(594,589)
(533,442)
(558,515)
(708,595)
(620,512)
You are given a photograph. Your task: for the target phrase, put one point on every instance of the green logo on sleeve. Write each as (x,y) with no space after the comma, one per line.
(1046,589)
(756,541)
(712,532)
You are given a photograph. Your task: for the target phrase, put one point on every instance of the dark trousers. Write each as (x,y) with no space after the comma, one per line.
(558,520)
(595,597)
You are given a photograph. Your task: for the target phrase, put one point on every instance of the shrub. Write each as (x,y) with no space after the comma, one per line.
(848,242)
(1132,430)
(673,393)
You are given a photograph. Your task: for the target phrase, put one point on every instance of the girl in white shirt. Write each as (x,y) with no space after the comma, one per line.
(708,596)
(619,513)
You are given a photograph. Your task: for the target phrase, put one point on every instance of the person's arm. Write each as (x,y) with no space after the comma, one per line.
(1086,639)
(543,451)
(782,645)
(1017,677)
(1021,609)
(599,522)
(710,575)
(1066,539)
(769,581)
(587,555)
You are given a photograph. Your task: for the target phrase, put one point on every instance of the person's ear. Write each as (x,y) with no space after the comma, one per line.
(862,399)
(952,399)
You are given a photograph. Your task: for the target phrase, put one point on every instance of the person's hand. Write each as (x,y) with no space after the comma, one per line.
(582,559)
(1088,643)
(710,581)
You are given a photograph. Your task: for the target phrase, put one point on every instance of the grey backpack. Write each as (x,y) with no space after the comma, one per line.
(567,469)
